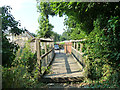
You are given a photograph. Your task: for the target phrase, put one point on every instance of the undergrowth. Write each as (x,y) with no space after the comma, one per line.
(24,71)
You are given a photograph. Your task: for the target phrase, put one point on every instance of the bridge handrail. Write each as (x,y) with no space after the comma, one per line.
(78,55)
(44,55)
(42,39)
(77,51)
(44,60)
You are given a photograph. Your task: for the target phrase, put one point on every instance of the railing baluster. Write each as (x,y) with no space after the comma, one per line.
(74,44)
(81,45)
(77,45)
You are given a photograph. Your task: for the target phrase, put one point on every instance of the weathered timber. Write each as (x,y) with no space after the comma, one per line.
(63,69)
(38,48)
(44,55)
(77,46)
(78,56)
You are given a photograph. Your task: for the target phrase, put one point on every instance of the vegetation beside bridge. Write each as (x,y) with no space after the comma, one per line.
(98,23)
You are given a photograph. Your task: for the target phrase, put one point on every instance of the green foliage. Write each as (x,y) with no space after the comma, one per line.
(45,28)
(18,70)
(26,58)
(56,37)
(8,51)
(19,77)
(11,80)
(102,48)
(64,36)
(80,16)
(110,80)
(101,45)
(24,71)
(42,51)
(99,24)
(45,9)
(9,25)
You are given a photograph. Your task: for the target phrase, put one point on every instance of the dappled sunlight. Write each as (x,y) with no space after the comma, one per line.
(64,65)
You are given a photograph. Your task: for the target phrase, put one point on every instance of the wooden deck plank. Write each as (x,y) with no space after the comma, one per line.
(63,66)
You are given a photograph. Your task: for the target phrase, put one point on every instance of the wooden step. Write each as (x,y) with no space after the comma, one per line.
(62,79)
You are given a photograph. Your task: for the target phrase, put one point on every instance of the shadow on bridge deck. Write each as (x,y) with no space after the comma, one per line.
(64,68)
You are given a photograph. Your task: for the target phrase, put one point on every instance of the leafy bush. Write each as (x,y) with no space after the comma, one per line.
(24,71)
(9,25)
(16,77)
(18,71)
(8,51)
(99,24)
(102,50)
(19,77)
(26,58)
(108,81)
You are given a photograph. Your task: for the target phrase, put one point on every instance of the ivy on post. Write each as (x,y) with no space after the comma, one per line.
(38,48)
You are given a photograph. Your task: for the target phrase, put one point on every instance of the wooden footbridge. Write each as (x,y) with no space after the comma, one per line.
(59,65)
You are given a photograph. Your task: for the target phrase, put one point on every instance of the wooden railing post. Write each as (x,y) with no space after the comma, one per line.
(50,45)
(53,49)
(81,45)
(77,45)
(40,57)
(74,44)
(46,60)
(36,45)
(38,48)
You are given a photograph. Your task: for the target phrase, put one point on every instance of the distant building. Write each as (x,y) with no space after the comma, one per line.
(21,39)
